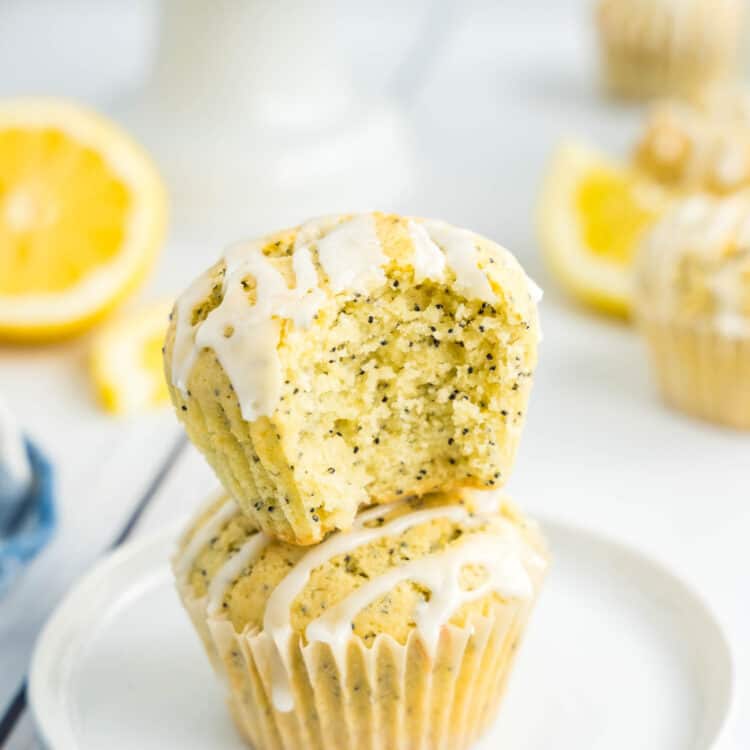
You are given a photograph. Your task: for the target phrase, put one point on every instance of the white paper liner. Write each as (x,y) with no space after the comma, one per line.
(390,696)
(702,372)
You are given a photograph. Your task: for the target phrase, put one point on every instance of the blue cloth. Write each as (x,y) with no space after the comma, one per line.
(25,531)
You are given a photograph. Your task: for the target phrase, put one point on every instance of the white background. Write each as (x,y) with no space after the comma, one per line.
(508,80)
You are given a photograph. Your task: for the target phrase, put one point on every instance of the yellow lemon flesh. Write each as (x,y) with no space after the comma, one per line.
(592,214)
(126,360)
(82,216)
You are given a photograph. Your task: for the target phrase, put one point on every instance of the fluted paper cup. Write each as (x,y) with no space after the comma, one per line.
(701,371)
(389,695)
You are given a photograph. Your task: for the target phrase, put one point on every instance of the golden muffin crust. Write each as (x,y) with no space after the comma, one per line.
(243,599)
(394,357)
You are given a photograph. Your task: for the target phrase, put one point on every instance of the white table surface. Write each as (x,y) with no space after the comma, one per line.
(599,448)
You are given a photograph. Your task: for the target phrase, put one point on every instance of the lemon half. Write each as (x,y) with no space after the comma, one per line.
(82,216)
(592,214)
(126,362)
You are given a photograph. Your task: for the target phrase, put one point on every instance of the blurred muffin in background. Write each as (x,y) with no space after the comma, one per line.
(653,48)
(701,147)
(692,300)
(398,633)
(595,209)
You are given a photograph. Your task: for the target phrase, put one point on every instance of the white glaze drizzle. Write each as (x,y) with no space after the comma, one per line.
(535,291)
(204,535)
(460,248)
(184,350)
(245,337)
(498,555)
(278,608)
(303,308)
(428,259)
(248,355)
(351,255)
(232,568)
(313,229)
(485,502)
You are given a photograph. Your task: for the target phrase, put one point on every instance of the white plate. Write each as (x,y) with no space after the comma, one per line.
(620,655)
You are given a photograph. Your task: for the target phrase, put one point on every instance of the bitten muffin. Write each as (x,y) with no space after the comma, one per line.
(701,147)
(354,359)
(398,633)
(692,299)
(668,47)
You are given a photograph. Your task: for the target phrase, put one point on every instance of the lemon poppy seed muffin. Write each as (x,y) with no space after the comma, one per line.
(668,47)
(397,633)
(701,147)
(355,359)
(692,298)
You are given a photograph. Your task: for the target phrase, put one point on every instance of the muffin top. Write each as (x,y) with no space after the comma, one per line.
(694,265)
(260,291)
(416,564)
(698,147)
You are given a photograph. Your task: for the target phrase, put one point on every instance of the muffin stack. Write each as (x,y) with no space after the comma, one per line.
(359,385)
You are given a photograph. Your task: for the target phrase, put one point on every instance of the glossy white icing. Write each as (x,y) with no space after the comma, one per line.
(535,291)
(428,259)
(351,255)
(244,336)
(485,501)
(184,350)
(498,555)
(462,256)
(203,536)
(232,568)
(302,310)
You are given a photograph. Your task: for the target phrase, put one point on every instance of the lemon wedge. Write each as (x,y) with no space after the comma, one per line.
(82,216)
(592,213)
(126,360)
